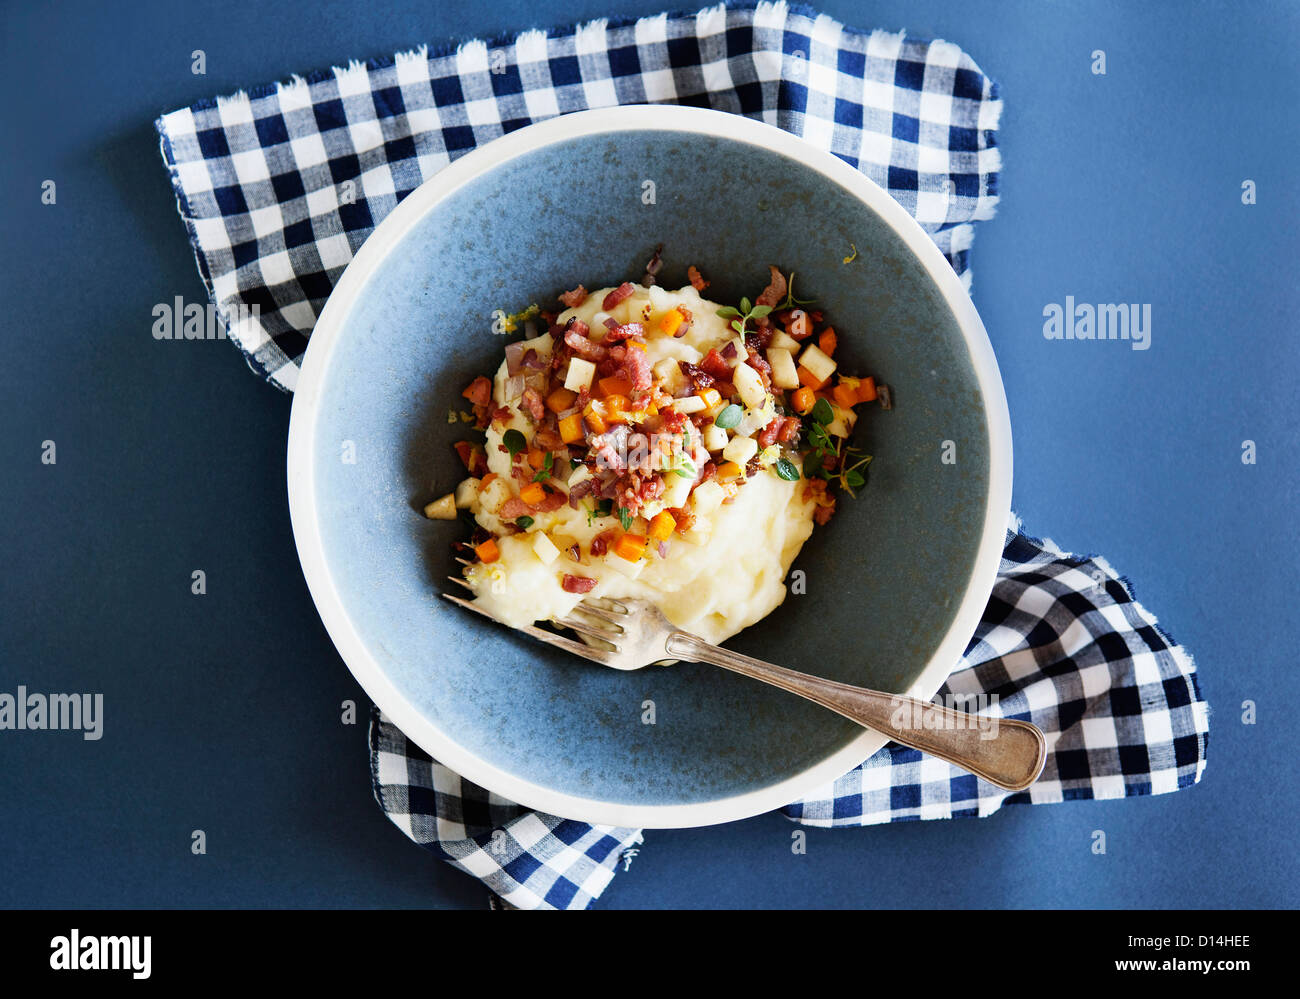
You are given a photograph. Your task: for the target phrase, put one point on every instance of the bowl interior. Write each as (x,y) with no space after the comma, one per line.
(881,583)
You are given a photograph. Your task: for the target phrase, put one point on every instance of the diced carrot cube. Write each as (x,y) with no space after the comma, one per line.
(630,547)
(637,344)
(536,459)
(594,414)
(867,390)
(560,400)
(662,526)
(845,396)
(828,341)
(807,378)
(488,551)
(571,429)
(487,480)
(729,470)
(670,321)
(616,408)
(533,494)
(711,397)
(803,401)
(613,385)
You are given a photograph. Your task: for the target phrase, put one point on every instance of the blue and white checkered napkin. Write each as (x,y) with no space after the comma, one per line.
(260,180)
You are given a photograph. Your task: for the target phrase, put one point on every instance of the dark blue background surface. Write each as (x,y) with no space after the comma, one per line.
(222,711)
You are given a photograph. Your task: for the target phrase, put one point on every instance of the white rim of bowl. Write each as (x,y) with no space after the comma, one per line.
(315,364)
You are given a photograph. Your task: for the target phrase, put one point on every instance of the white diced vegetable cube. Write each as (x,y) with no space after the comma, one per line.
(715,438)
(784,341)
(580,375)
(676,490)
(708,496)
(543,344)
(688,404)
(669,373)
(467,493)
(443,508)
(580,474)
(842,421)
(742,352)
(784,374)
(818,363)
(544,548)
(750,385)
(740,450)
(629,569)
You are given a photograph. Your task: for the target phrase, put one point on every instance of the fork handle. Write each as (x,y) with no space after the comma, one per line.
(1012,757)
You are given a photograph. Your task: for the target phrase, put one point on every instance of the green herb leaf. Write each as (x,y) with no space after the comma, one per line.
(625,518)
(523,523)
(605,507)
(819,438)
(822,412)
(729,417)
(745,306)
(727,311)
(786,469)
(812,465)
(686,468)
(514,441)
(760,311)
(855,480)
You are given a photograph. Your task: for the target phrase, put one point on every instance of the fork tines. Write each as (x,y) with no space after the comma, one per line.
(549,637)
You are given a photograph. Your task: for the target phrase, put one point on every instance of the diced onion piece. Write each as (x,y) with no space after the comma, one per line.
(514,355)
(742,352)
(740,450)
(818,363)
(580,474)
(443,508)
(750,385)
(514,388)
(544,548)
(784,374)
(580,375)
(467,493)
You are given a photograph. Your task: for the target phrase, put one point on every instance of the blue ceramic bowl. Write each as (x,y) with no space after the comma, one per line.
(895,584)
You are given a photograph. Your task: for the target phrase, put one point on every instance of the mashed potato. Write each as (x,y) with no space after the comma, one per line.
(725,571)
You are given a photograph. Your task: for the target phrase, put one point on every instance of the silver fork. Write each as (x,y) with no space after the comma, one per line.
(634,633)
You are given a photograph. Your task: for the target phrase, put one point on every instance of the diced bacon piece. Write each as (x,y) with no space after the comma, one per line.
(767,436)
(620,293)
(514,508)
(696,279)
(624,331)
(479,391)
(775,291)
(600,543)
(587,349)
(572,299)
(533,403)
(577,584)
(715,365)
(789,429)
